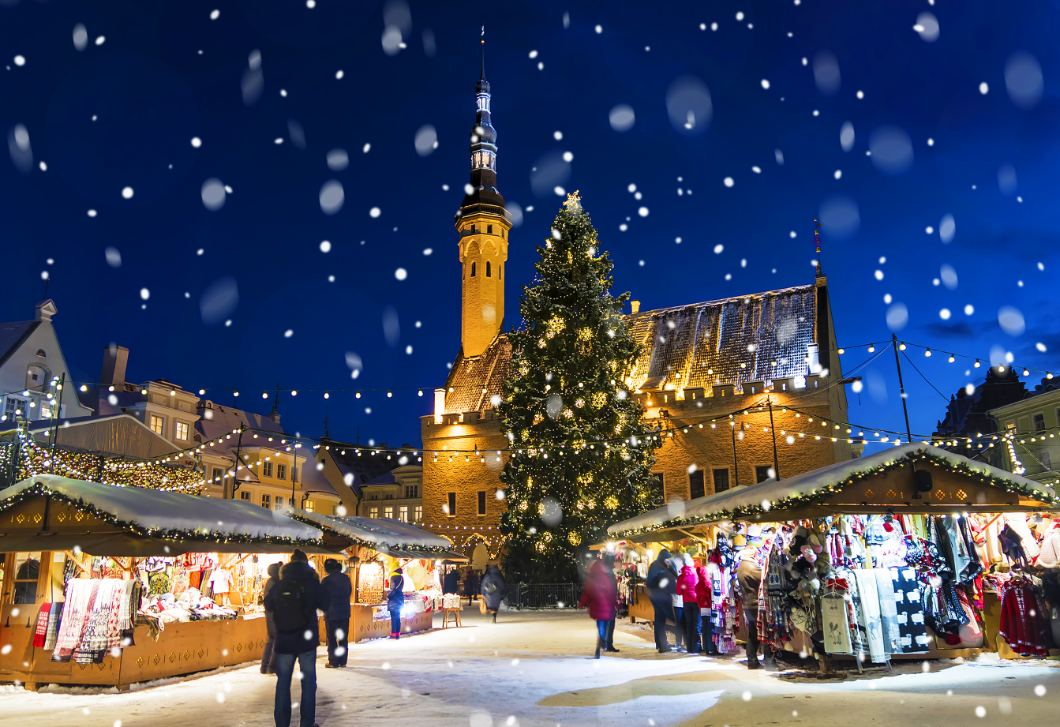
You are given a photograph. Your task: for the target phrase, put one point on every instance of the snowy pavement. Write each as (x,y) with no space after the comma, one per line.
(536,669)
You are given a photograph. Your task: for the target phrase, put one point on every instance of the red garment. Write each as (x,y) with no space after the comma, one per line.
(600,593)
(1024,618)
(703,588)
(42,626)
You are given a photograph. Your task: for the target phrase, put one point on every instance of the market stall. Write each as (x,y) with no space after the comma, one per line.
(376,546)
(950,540)
(115,585)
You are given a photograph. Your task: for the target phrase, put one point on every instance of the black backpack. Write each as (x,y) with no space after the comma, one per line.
(290,614)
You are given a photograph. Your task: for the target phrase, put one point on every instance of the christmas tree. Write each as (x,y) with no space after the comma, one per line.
(581,454)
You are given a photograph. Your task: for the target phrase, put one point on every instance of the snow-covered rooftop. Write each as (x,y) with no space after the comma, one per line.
(778,492)
(164,513)
(383,532)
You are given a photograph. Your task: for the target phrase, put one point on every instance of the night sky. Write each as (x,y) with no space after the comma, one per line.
(960,116)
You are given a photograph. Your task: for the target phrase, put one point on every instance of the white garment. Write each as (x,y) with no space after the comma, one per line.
(1050,554)
(1018,522)
(220,580)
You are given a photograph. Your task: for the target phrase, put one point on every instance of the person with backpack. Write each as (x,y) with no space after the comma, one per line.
(294,603)
(268,655)
(394,601)
(662,587)
(337,619)
(493,590)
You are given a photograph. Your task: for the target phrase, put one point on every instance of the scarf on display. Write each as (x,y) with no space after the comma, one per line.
(80,594)
(41,633)
(775,625)
(54,615)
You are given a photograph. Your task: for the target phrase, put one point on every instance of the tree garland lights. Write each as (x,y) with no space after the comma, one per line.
(821,494)
(201,535)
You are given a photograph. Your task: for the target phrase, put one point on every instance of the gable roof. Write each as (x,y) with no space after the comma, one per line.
(778,495)
(757,337)
(13,335)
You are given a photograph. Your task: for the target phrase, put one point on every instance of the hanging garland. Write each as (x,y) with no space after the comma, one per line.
(822,494)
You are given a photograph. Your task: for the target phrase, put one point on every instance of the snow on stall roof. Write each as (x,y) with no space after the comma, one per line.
(375,531)
(775,491)
(155,510)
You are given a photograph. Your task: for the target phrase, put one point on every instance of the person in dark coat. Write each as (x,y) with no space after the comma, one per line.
(662,585)
(268,655)
(337,619)
(609,565)
(600,594)
(493,590)
(471,585)
(451,582)
(297,581)
(394,601)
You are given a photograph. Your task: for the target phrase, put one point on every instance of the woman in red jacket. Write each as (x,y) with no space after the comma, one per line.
(601,595)
(686,588)
(704,593)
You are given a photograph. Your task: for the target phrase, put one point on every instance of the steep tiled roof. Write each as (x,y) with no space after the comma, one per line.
(701,344)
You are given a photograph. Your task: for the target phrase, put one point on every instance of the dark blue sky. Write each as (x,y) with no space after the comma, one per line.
(165,73)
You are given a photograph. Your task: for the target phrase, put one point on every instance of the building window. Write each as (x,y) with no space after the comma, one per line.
(158,425)
(417,513)
(266,501)
(403,514)
(481,502)
(14,406)
(1045,459)
(218,473)
(279,503)
(388,511)
(310,506)
(696,486)
(721,479)
(1039,422)
(373,512)
(281,472)
(489,231)
(472,269)
(489,269)
(244,495)
(762,473)
(182,430)
(27,573)
(451,506)
(266,469)
(40,352)
(412,491)
(45,411)
(657,486)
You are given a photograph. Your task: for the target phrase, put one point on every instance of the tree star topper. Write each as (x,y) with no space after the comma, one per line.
(573,203)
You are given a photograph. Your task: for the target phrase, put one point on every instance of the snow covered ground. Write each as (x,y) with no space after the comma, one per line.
(536,669)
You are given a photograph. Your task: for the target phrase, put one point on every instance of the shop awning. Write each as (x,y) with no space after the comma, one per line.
(88,511)
(384,535)
(806,491)
(121,545)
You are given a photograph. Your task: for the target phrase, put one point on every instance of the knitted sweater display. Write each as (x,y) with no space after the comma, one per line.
(1024,617)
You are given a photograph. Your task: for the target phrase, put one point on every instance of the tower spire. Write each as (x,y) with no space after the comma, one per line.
(482,42)
(817,243)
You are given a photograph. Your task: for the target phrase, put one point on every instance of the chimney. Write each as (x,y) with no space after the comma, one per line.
(439,405)
(634,307)
(115,359)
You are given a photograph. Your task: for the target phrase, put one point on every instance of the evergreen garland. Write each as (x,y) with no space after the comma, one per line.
(566,396)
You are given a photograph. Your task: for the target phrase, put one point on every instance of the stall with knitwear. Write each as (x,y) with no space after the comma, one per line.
(376,546)
(97,586)
(911,552)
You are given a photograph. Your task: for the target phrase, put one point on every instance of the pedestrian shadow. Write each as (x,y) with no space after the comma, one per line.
(700,682)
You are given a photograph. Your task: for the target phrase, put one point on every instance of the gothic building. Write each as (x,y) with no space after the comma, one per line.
(741,387)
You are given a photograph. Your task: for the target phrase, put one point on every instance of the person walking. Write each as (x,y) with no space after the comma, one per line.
(337,619)
(268,654)
(493,590)
(609,569)
(686,588)
(294,603)
(451,582)
(394,601)
(704,597)
(601,596)
(471,585)
(662,585)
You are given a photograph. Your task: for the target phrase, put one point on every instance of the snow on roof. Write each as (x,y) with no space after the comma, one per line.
(168,514)
(372,532)
(777,492)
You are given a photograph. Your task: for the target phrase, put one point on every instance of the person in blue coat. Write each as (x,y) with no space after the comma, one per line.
(294,603)
(394,601)
(337,618)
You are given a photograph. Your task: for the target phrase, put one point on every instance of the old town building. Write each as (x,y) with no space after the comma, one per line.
(742,388)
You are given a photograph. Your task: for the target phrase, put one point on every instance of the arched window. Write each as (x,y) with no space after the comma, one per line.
(40,352)
(472,269)
(488,269)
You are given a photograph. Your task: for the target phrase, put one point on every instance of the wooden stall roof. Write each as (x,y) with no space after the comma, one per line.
(880,482)
(106,520)
(383,535)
